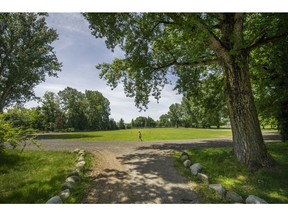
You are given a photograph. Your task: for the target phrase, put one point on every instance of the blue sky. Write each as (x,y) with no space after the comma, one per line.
(79,52)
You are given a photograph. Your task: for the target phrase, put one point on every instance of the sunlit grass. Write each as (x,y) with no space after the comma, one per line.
(147,134)
(35,176)
(221,167)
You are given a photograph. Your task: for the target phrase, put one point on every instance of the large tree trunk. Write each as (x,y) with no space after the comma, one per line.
(249,147)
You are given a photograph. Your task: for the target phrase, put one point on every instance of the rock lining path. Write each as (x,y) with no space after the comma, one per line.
(136,172)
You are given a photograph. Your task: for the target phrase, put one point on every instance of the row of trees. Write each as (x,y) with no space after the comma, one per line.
(68,110)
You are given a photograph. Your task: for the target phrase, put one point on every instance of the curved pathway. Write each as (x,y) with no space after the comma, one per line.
(136,172)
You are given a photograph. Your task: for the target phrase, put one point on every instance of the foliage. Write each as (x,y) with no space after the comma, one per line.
(14,136)
(26,56)
(206,106)
(269,184)
(52,114)
(164,121)
(270,80)
(189,45)
(36,176)
(121,124)
(175,114)
(71,109)
(143,122)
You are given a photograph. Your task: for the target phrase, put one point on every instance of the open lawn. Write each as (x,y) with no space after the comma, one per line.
(36,176)
(147,134)
(221,167)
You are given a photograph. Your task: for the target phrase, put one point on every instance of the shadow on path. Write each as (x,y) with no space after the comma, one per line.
(148,177)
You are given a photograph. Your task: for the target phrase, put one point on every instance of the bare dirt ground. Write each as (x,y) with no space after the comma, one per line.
(137,172)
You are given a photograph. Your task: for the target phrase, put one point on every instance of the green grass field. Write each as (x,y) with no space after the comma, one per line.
(36,176)
(147,134)
(221,167)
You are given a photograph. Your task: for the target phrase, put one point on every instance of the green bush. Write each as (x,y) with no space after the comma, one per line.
(13,135)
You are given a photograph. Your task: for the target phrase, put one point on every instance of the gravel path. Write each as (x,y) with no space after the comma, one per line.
(137,172)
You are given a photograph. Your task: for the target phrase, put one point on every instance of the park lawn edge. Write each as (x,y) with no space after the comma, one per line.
(30,179)
(221,167)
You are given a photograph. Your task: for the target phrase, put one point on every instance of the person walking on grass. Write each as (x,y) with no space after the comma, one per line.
(139,136)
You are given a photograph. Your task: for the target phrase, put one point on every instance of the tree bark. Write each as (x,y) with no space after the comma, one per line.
(249,147)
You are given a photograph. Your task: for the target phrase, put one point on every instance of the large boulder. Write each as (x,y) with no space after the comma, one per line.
(251,199)
(187,163)
(234,197)
(55,200)
(220,190)
(195,168)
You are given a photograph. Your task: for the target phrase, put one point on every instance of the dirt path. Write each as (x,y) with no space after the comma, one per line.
(137,172)
(143,176)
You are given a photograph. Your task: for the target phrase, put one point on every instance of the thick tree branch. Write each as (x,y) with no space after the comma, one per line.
(192,64)
(264,40)
(162,22)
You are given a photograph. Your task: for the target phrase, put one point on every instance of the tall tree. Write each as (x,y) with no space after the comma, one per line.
(26,56)
(75,106)
(98,110)
(156,44)
(121,124)
(53,116)
(175,114)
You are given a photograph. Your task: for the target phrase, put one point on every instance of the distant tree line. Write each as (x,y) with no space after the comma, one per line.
(68,110)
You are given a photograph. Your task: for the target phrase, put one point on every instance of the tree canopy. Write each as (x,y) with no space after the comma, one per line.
(190,45)
(26,56)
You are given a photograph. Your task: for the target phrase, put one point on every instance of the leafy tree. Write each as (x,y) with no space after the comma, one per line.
(164,121)
(175,114)
(150,122)
(132,123)
(140,121)
(121,124)
(75,106)
(270,80)
(112,124)
(206,105)
(53,116)
(18,116)
(98,110)
(156,44)
(26,56)
(14,136)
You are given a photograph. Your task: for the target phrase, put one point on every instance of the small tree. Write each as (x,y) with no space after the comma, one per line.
(13,135)
(121,124)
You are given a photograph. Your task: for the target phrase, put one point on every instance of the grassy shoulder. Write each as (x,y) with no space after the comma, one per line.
(148,134)
(221,167)
(36,176)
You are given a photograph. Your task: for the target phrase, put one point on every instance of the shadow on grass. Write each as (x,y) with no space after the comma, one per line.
(32,191)
(66,136)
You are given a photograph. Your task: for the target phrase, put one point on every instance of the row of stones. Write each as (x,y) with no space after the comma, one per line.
(71,180)
(230,195)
